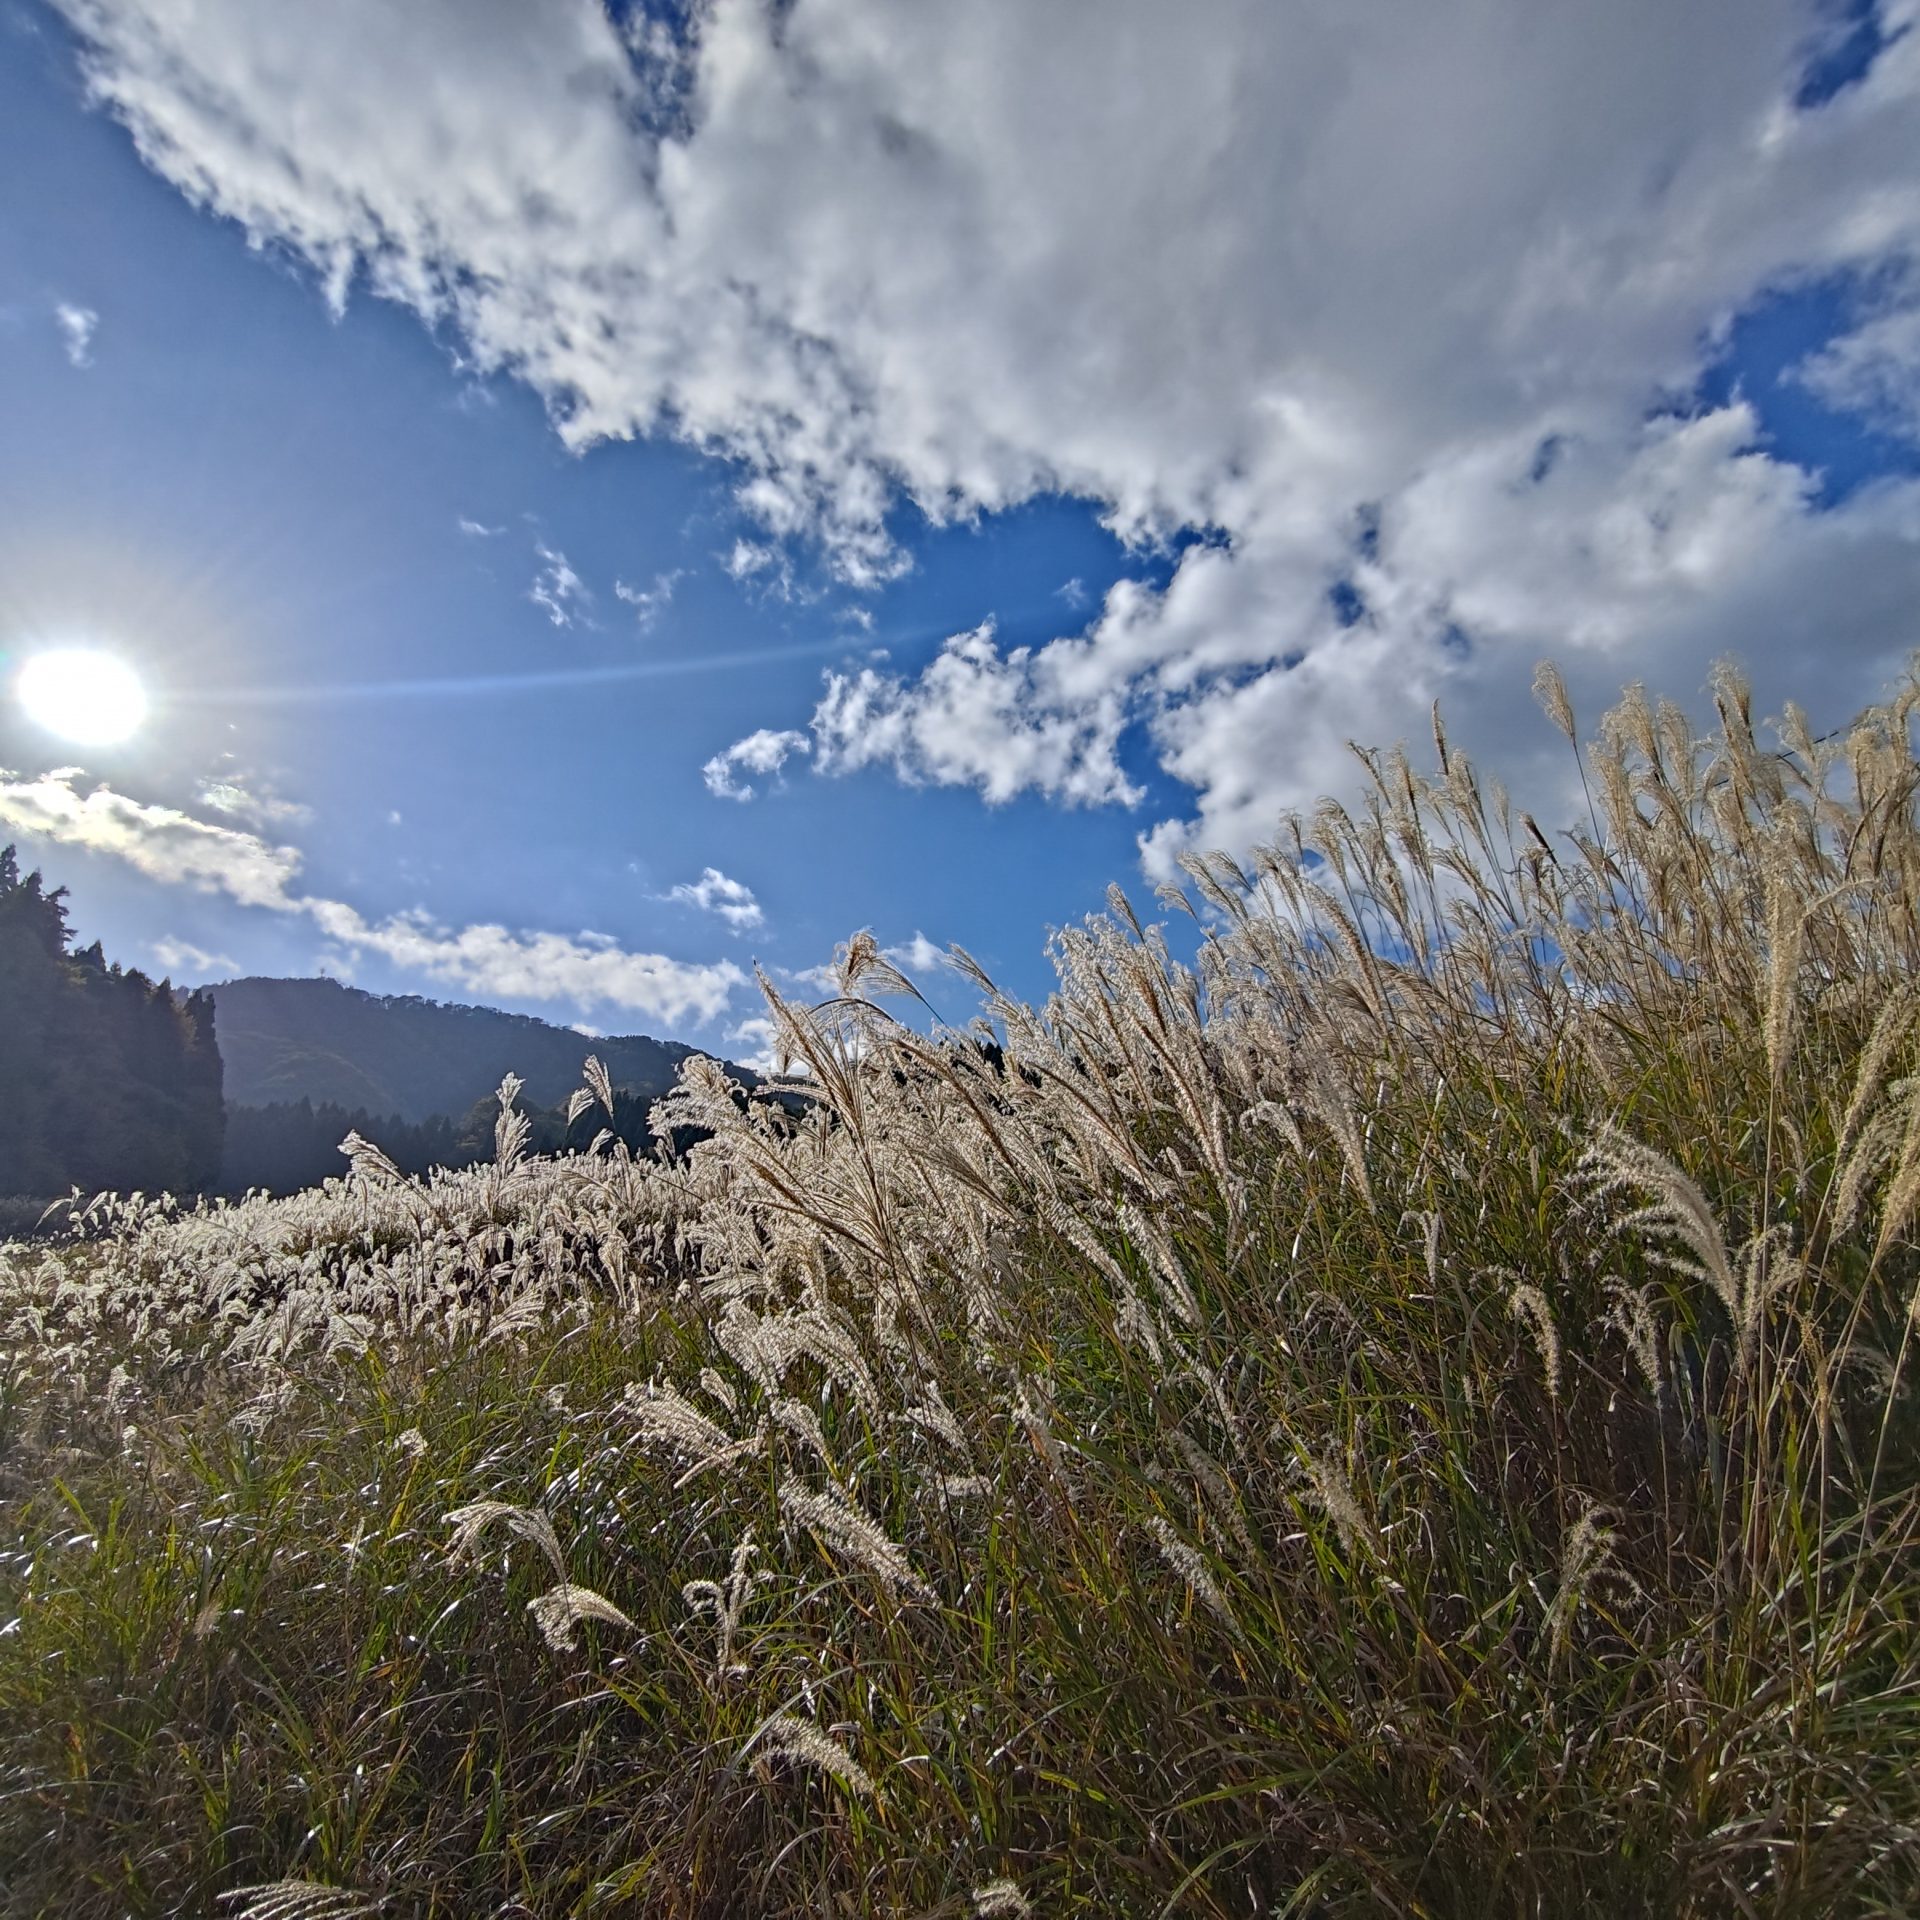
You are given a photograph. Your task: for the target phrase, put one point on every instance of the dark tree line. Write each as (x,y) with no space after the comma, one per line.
(288,1145)
(107,1078)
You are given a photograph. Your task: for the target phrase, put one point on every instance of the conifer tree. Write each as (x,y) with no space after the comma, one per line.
(109,1079)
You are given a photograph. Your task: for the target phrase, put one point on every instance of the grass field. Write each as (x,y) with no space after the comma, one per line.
(1412,1415)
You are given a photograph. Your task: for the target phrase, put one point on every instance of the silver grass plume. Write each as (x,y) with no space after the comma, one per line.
(1632,1314)
(598,1092)
(296,1900)
(1001,1900)
(1614,1161)
(854,1534)
(1550,689)
(1903,1189)
(366,1162)
(860,968)
(727,1601)
(719,1388)
(470,1522)
(1033,1410)
(1890,1028)
(934,1416)
(1333,1494)
(1786,938)
(1192,1567)
(1585,1559)
(667,1419)
(518,1317)
(663,1414)
(1529,1305)
(803,1740)
(803,1423)
(559,1611)
(512,1129)
(1220,1498)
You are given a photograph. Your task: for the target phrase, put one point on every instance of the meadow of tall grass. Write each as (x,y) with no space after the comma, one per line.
(1412,1413)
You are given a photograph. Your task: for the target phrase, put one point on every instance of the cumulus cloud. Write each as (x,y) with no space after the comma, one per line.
(821,981)
(1875,369)
(588,970)
(748,557)
(918,955)
(1394,303)
(714,892)
(557,590)
(1000,722)
(764,753)
(163,843)
(169,845)
(77,327)
(755,1043)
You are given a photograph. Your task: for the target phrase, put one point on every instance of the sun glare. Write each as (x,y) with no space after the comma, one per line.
(83,695)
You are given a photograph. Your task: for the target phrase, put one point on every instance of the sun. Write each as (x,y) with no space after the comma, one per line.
(83,695)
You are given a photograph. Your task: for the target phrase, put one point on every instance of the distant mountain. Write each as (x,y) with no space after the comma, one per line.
(284,1039)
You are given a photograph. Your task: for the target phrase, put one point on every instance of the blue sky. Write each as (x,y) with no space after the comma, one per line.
(1017,446)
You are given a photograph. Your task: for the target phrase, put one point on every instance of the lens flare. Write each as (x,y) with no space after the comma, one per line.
(83,695)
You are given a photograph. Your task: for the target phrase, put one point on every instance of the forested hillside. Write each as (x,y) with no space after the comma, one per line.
(287,1040)
(108,1078)
(291,1144)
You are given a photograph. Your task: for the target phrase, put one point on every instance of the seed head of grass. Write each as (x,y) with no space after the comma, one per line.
(804,1741)
(1001,1900)
(296,1900)
(559,1611)
(471,1522)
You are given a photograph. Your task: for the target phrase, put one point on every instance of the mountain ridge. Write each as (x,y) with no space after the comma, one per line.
(284,1039)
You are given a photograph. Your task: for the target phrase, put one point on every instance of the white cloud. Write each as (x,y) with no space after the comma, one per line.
(240,801)
(976,717)
(77,327)
(714,892)
(764,752)
(557,590)
(918,955)
(763,564)
(1326,281)
(1875,370)
(755,1043)
(182,956)
(822,981)
(648,603)
(585,969)
(165,844)
(479,530)
(747,558)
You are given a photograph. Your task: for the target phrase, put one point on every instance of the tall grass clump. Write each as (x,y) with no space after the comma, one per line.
(1411,1413)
